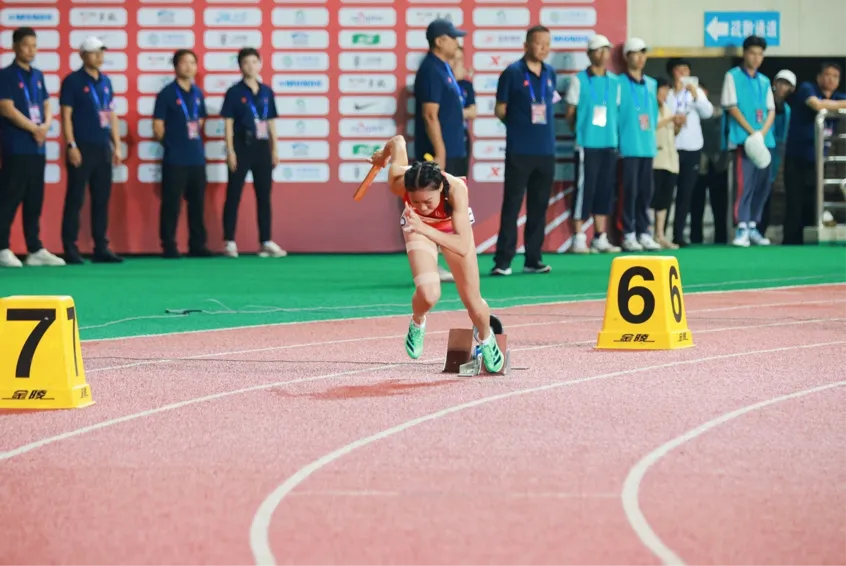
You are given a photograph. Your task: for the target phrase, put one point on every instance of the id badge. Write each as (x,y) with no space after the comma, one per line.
(105,119)
(759,116)
(829,131)
(644,121)
(193,130)
(35,114)
(538,113)
(600,116)
(261,130)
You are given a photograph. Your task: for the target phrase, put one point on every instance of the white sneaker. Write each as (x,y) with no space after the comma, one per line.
(741,238)
(579,245)
(42,257)
(757,239)
(630,243)
(601,245)
(270,249)
(648,243)
(9,259)
(230,249)
(445,275)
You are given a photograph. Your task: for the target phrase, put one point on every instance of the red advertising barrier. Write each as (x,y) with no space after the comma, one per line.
(341,72)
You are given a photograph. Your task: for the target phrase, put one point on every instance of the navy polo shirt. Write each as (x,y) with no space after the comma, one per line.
(240,104)
(176,106)
(16,83)
(469,96)
(435,83)
(800,135)
(87,96)
(521,136)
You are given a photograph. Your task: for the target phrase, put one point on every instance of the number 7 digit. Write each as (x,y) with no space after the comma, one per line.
(44,318)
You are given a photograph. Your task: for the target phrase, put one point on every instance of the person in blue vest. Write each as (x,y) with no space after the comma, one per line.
(249,113)
(178,119)
(92,137)
(800,158)
(592,114)
(525,96)
(783,84)
(749,111)
(638,120)
(25,117)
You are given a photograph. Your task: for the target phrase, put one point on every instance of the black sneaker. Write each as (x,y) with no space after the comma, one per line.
(106,256)
(536,268)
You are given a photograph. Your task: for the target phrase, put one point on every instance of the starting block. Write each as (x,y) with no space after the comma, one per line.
(644,307)
(40,355)
(464,356)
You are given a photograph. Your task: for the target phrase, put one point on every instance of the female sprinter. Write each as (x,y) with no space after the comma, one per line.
(437,214)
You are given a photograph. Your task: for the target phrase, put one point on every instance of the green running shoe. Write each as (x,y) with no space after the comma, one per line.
(492,355)
(414,340)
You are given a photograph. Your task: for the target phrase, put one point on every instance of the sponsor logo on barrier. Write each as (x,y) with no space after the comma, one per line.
(302,128)
(232,39)
(166,17)
(355,172)
(300,17)
(367,17)
(488,61)
(501,38)
(300,83)
(367,128)
(367,83)
(107,17)
(34,17)
(359,150)
(367,61)
(568,16)
(571,39)
(368,105)
(493,17)
(296,173)
(302,105)
(166,39)
(293,61)
(294,39)
(219,17)
(310,150)
(420,17)
(362,39)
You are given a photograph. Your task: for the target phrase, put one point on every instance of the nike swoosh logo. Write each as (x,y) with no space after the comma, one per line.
(363,106)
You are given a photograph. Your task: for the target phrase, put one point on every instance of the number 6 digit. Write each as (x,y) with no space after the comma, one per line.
(675,294)
(625,293)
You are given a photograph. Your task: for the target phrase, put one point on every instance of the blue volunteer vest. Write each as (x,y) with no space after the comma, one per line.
(597,91)
(637,99)
(751,97)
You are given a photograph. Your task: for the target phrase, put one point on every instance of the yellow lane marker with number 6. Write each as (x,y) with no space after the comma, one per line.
(644,308)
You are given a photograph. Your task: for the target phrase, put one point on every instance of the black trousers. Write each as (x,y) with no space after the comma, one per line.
(22,181)
(254,157)
(800,192)
(714,184)
(95,171)
(636,196)
(532,176)
(688,175)
(457,166)
(178,182)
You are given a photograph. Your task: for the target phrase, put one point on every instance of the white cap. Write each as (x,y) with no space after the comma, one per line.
(92,43)
(787,76)
(598,42)
(633,44)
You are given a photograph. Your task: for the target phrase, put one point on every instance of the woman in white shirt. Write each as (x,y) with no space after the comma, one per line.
(690,104)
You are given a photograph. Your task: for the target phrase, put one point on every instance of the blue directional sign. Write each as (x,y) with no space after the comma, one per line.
(726,29)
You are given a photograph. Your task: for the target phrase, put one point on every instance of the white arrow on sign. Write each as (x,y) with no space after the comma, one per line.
(716,29)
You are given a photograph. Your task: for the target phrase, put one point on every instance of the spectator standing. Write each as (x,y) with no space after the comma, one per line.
(800,175)
(524,103)
(178,119)
(750,113)
(690,105)
(249,112)
(592,114)
(91,131)
(783,84)
(25,117)
(638,122)
(666,164)
(469,96)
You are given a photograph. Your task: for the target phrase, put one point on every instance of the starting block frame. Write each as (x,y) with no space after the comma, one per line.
(464,356)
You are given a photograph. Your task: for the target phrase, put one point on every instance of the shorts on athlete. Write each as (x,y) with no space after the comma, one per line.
(437,214)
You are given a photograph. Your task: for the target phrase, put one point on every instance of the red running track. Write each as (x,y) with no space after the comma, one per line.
(334,448)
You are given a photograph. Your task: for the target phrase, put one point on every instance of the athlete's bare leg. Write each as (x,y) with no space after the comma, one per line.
(423,259)
(466,273)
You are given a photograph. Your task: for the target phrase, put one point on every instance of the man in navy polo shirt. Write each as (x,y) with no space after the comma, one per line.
(525,96)
(25,118)
(249,112)
(178,120)
(800,176)
(91,131)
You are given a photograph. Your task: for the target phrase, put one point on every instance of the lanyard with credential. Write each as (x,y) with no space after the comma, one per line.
(761,92)
(635,97)
(96,98)
(253,106)
(196,111)
(455,83)
(607,89)
(542,85)
(32,83)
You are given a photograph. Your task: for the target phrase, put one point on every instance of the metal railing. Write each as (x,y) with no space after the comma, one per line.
(837,157)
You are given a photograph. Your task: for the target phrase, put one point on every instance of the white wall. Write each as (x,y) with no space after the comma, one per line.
(809,27)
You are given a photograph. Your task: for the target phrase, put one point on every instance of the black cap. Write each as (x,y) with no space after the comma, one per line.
(441,27)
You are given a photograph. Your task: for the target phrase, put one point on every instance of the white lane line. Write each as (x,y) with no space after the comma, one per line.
(631,486)
(193,401)
(260,526)
(558,301)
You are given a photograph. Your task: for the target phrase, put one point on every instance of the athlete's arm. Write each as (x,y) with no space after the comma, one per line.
(395,151)
(461,241)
